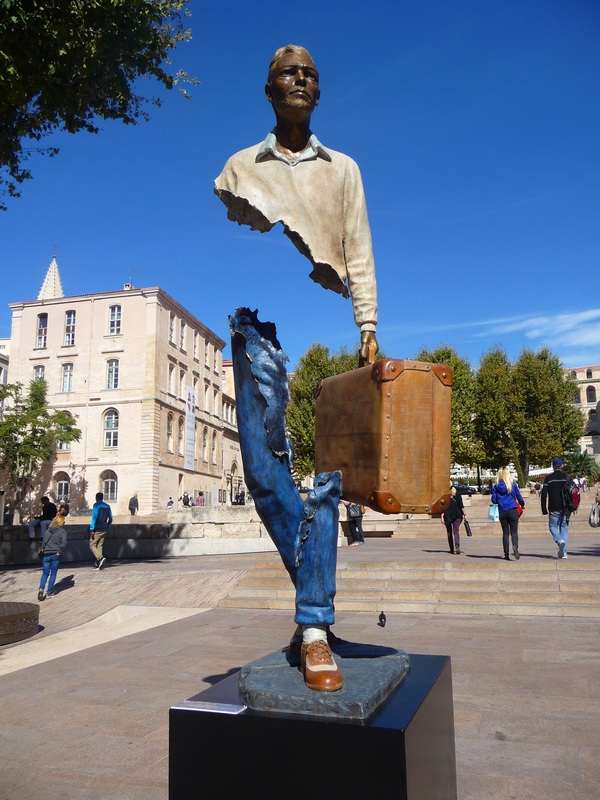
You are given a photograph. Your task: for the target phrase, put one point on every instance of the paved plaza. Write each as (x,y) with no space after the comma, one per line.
(85,702)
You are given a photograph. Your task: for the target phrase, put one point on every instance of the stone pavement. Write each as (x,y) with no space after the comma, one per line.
(85,702)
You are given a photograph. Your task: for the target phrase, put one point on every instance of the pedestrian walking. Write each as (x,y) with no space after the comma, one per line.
(134,505)
(506,494)
(53,545)
(452,517)
(99,526)
(553,504)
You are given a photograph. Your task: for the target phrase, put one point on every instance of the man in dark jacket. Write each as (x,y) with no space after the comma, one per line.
(553,504)
(43,521)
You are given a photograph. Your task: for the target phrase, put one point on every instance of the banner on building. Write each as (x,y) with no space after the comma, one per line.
(190,425)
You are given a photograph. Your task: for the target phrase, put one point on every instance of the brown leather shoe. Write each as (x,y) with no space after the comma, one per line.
(319,668)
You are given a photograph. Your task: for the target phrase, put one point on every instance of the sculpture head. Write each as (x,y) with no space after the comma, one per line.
(292,87)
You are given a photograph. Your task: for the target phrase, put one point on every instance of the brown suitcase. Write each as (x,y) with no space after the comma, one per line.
(386,426)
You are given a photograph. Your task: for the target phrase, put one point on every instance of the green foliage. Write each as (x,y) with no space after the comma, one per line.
(581,465)
(524,410)
(29,433)
(65,65)
(465,445)
(314,365)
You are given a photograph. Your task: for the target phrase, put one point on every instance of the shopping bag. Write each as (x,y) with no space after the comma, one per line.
(493,513)
(468,527)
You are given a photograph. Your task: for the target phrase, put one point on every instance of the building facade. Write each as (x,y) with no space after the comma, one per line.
(587,398)
(144,380)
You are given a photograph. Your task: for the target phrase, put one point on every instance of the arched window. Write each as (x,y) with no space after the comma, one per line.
(66,380)
(170,433)
(205,444)
(206,397)
(109,485)
(61,486)
(590,394)
(588,374)
(593,416)
(114,321)
(42,330)
(196,345)
(216,402)
(577,398)
(172,327)
(182,384)
(171,387)
(182,336)
(180,437)
(214,447)
(573,373)
(39,372)
(111,428)
(112,373)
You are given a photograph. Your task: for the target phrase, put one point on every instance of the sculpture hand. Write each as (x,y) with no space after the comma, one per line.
(368,348)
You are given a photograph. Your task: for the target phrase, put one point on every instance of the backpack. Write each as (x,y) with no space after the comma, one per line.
(354,511)
(571,496)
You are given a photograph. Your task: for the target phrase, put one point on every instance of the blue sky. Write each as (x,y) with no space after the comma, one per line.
(476,125)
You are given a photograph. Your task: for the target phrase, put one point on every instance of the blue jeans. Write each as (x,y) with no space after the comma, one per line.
(305,533)
(49,568)
(558,522)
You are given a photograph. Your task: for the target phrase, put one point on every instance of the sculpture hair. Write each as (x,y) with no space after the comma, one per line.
(289,48)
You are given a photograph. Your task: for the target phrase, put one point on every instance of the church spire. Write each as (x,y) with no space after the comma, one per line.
(52,287)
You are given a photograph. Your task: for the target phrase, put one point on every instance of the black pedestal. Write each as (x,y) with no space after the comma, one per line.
(218,748)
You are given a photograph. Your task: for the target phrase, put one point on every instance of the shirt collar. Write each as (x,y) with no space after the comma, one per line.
(313,150)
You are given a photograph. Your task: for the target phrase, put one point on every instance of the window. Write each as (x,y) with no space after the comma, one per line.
(196,343)
(590,394)
(215,359)
(593,417)
(206,353)
(588,374)
(39,372)
(216,402)
(206,398)
(573,373)
(180,437)
(182,336)
(109,485)
(214,447)
(66,381)
(114,320)
(171,378)
(170,433)
(42,330)
(171,327)
(111,428)
(69,328)
(577,398)
(205,444)
(64,447)
(182,384)
(112,373)
(196,391)
(61,486)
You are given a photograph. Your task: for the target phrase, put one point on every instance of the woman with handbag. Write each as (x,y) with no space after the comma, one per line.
(53,544)
(354,513)
(506,494)
(452,517)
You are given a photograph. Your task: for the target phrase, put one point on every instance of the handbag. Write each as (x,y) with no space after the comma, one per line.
(40,553)
(519,507)
(594,518)
(493,513)
(354,511)
(468,527)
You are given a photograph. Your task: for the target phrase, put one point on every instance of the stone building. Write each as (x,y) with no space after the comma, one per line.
(587,399)
(144,379)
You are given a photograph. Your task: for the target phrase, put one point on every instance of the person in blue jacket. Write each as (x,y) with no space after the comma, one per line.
(505,493)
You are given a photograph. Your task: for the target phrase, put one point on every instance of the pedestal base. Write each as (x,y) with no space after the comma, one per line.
(219,748)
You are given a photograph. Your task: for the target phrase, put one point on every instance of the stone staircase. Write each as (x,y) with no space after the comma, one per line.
(546,588)
(420,577)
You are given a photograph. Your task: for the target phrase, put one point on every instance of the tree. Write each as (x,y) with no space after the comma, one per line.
(65,65)
(525,411)
(314,365)
(29,433)
(581,465)
(465,445)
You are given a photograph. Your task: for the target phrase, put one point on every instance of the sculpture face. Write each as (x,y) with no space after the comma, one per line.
(293,88)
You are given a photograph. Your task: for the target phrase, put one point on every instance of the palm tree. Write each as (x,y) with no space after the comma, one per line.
(581,465)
